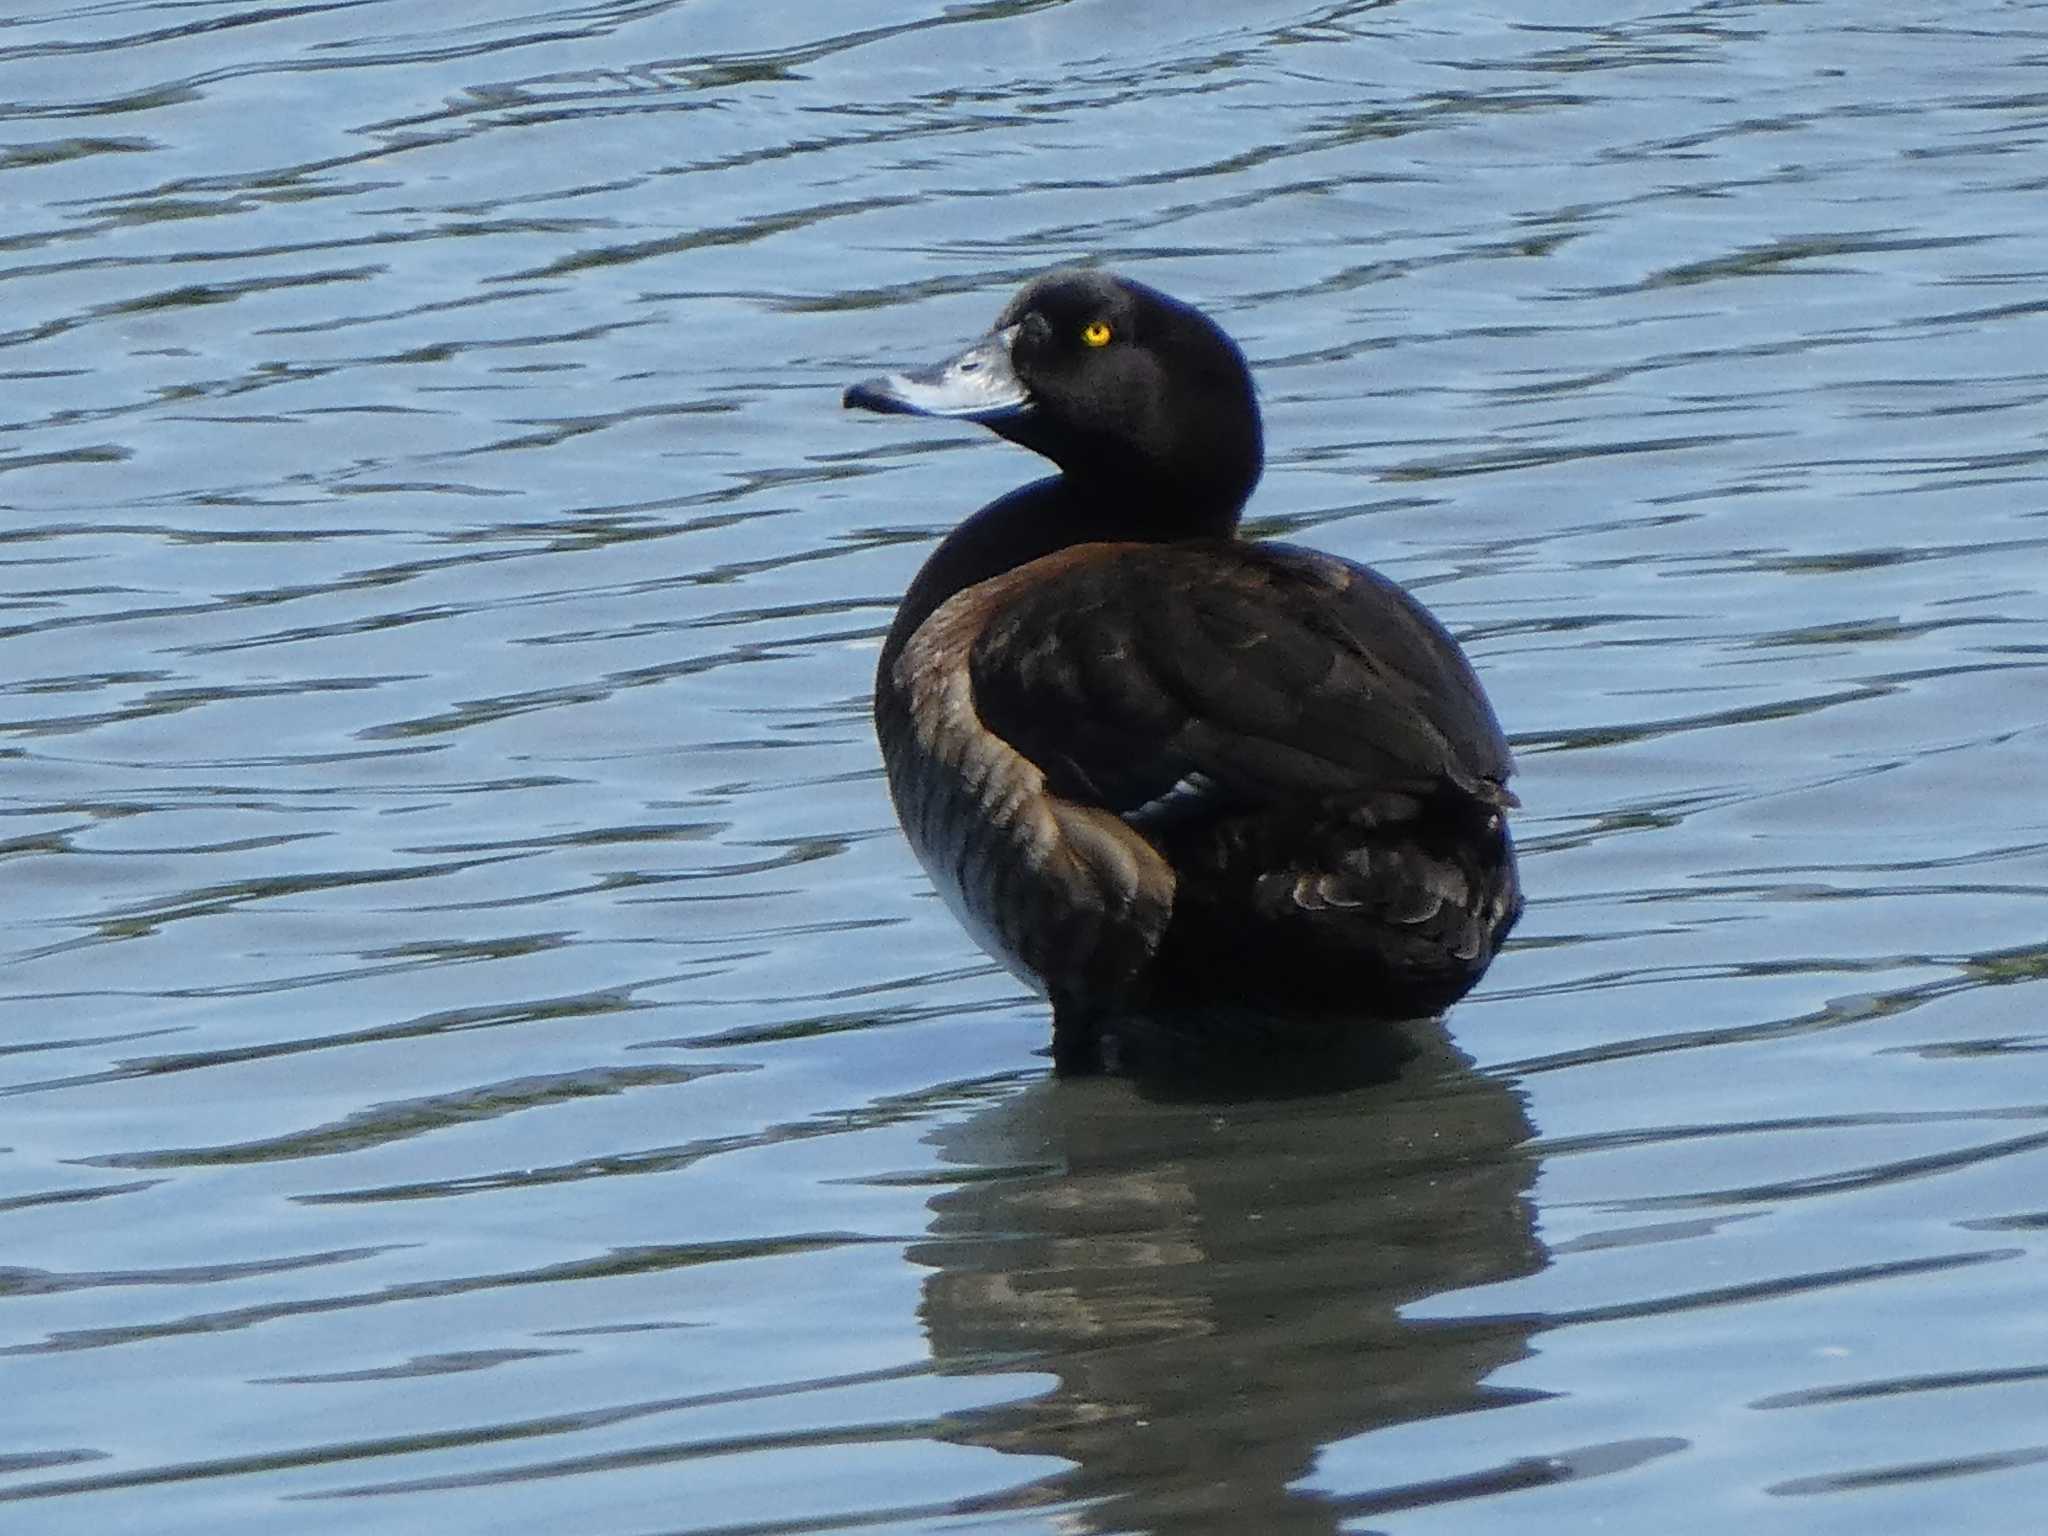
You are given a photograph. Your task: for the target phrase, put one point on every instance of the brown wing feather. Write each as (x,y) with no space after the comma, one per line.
(1060,890)
(1273,673)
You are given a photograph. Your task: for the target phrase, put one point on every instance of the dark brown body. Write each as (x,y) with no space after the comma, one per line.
(1338,845)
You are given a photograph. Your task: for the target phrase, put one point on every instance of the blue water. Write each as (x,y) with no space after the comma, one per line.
(476,1054)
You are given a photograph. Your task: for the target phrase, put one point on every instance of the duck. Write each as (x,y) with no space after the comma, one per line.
(1154,767)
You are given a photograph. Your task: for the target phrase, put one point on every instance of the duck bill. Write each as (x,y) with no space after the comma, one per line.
(978,385)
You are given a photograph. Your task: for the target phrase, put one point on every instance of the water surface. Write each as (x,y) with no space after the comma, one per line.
(475,1052)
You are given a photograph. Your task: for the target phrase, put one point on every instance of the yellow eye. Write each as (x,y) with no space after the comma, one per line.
(1096,333)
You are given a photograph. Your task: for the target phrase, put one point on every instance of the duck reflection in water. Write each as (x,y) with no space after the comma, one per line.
(1218,1287)
(1157,770)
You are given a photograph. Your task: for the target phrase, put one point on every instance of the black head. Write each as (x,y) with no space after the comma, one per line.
(1140,399)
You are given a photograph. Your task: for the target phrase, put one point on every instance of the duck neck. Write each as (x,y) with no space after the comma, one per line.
(1050,515)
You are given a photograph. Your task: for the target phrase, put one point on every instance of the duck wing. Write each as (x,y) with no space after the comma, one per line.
(1138,677)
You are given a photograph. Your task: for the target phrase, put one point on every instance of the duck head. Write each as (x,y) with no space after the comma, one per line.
(1141,400)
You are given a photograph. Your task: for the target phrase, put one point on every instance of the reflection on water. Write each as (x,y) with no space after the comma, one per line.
(475,1053)
(1217,1287)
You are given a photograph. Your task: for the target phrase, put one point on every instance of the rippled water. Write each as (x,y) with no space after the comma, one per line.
(474,1051)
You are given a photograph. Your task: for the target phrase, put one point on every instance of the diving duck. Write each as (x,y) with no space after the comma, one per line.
(1155,767)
